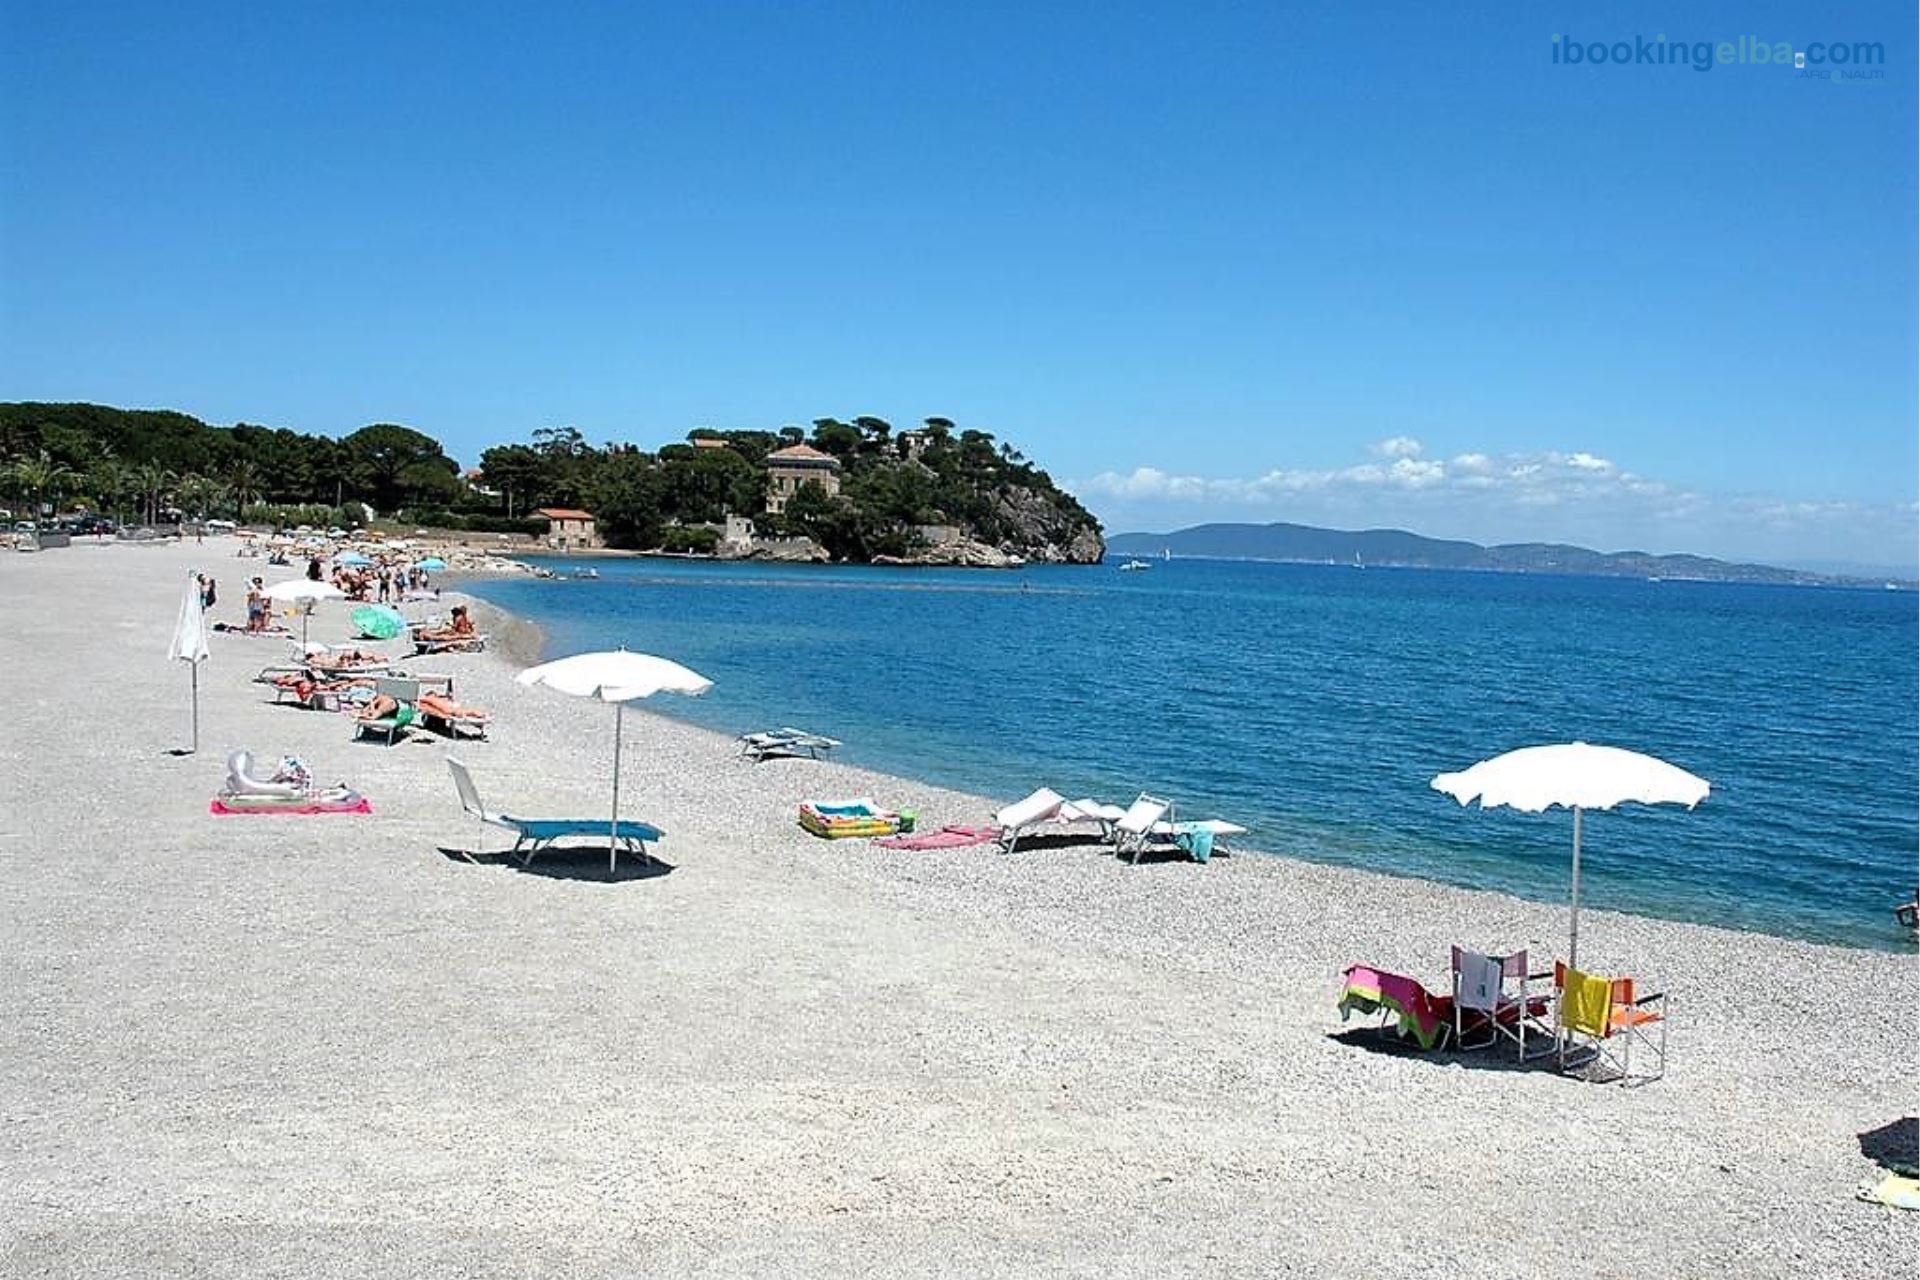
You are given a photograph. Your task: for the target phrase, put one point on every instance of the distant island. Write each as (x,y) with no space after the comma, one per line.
(1396,548)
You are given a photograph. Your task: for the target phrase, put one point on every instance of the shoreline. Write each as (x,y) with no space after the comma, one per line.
(531,652)
(772,1053)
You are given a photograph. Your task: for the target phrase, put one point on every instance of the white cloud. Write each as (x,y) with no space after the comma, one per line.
(1395,447)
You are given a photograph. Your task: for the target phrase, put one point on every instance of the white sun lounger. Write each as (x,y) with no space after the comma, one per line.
(785,742)
(1048,806)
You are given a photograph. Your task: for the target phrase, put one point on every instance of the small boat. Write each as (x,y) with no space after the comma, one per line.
(586,573)
(1133,566)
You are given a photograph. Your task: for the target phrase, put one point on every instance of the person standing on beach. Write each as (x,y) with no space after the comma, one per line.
(209,592)
(313,568)
(257,605)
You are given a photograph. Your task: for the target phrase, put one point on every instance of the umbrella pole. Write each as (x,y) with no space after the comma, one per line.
(1573,943)
(196,705)
(613,829)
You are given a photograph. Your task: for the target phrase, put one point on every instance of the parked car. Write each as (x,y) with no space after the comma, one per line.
(88,524)
(26,526)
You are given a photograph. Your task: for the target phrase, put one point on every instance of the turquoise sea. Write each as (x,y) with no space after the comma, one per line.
(1313,704)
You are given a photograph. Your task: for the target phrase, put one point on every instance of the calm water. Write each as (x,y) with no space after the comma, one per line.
(1314,703)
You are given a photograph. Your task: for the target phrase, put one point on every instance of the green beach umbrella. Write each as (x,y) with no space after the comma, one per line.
(376,622)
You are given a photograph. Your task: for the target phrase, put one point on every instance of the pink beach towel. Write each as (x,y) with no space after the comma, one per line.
(359,805)
(949,837)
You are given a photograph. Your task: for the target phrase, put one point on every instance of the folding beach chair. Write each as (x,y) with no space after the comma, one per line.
(1493,1000)
(1603,1019)
(531,835)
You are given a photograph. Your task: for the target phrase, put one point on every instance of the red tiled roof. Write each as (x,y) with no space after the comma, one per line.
(801,453)
(563,513)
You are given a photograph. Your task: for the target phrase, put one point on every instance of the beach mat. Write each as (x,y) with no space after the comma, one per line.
(359,804)
(948,837)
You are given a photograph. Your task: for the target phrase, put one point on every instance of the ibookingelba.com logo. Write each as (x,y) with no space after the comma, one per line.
(1704,55)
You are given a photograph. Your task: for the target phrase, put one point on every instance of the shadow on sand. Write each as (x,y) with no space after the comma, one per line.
(1894,1145)
(569,862)
(1503,1057)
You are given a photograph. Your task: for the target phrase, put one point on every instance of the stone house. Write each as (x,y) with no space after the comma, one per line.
(789,468)
(568,529)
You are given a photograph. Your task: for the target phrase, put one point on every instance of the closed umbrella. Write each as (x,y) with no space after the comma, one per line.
(617,677)
(1576,776)
(189,644)
(304,591)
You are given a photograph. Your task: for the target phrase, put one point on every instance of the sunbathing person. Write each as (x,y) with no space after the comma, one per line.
(346,660)
(460,628)
(442,707)
(387,707)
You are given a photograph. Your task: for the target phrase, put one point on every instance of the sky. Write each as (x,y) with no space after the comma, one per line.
(1382,264)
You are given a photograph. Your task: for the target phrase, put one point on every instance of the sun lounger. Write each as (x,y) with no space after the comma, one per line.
(531,835)
(1136,828)
(406,693)
(791,742)
(443,715)
(456,644)
(1017,818)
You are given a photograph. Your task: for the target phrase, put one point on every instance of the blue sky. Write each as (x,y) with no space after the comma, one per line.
(1340,263)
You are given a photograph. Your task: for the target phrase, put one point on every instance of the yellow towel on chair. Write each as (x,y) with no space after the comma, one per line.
(1586,1004)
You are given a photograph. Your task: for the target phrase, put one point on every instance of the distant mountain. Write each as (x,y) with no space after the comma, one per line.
(1305,544)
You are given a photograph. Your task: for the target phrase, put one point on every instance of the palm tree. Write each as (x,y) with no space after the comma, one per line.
(200,495)
(243,483)
(35,475)
(152,482)
(112,484)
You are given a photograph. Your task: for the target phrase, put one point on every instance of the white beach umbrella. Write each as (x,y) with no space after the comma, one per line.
(189,644)
(617,677)
(304,590)
(1576,776)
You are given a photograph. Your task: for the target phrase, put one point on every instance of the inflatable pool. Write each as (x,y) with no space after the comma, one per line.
(845,819)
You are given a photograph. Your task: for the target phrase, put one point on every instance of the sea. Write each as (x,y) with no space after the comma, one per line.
(1315,703)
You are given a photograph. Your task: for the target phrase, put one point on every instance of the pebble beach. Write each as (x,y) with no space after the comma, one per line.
(341,1045)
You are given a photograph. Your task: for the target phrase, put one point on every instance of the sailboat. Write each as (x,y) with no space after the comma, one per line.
(1166,554)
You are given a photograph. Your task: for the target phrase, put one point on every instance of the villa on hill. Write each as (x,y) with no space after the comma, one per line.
(789,468)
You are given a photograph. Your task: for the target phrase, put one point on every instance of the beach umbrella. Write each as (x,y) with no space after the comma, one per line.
(1576,776)
(431,563)
(378,622)
(353,559)
(189,643)
(617,677)
(306,591)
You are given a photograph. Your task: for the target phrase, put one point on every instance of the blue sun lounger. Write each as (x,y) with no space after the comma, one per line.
(531,835)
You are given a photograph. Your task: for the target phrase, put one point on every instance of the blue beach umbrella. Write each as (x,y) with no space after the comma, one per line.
(353,558)
(430,563)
